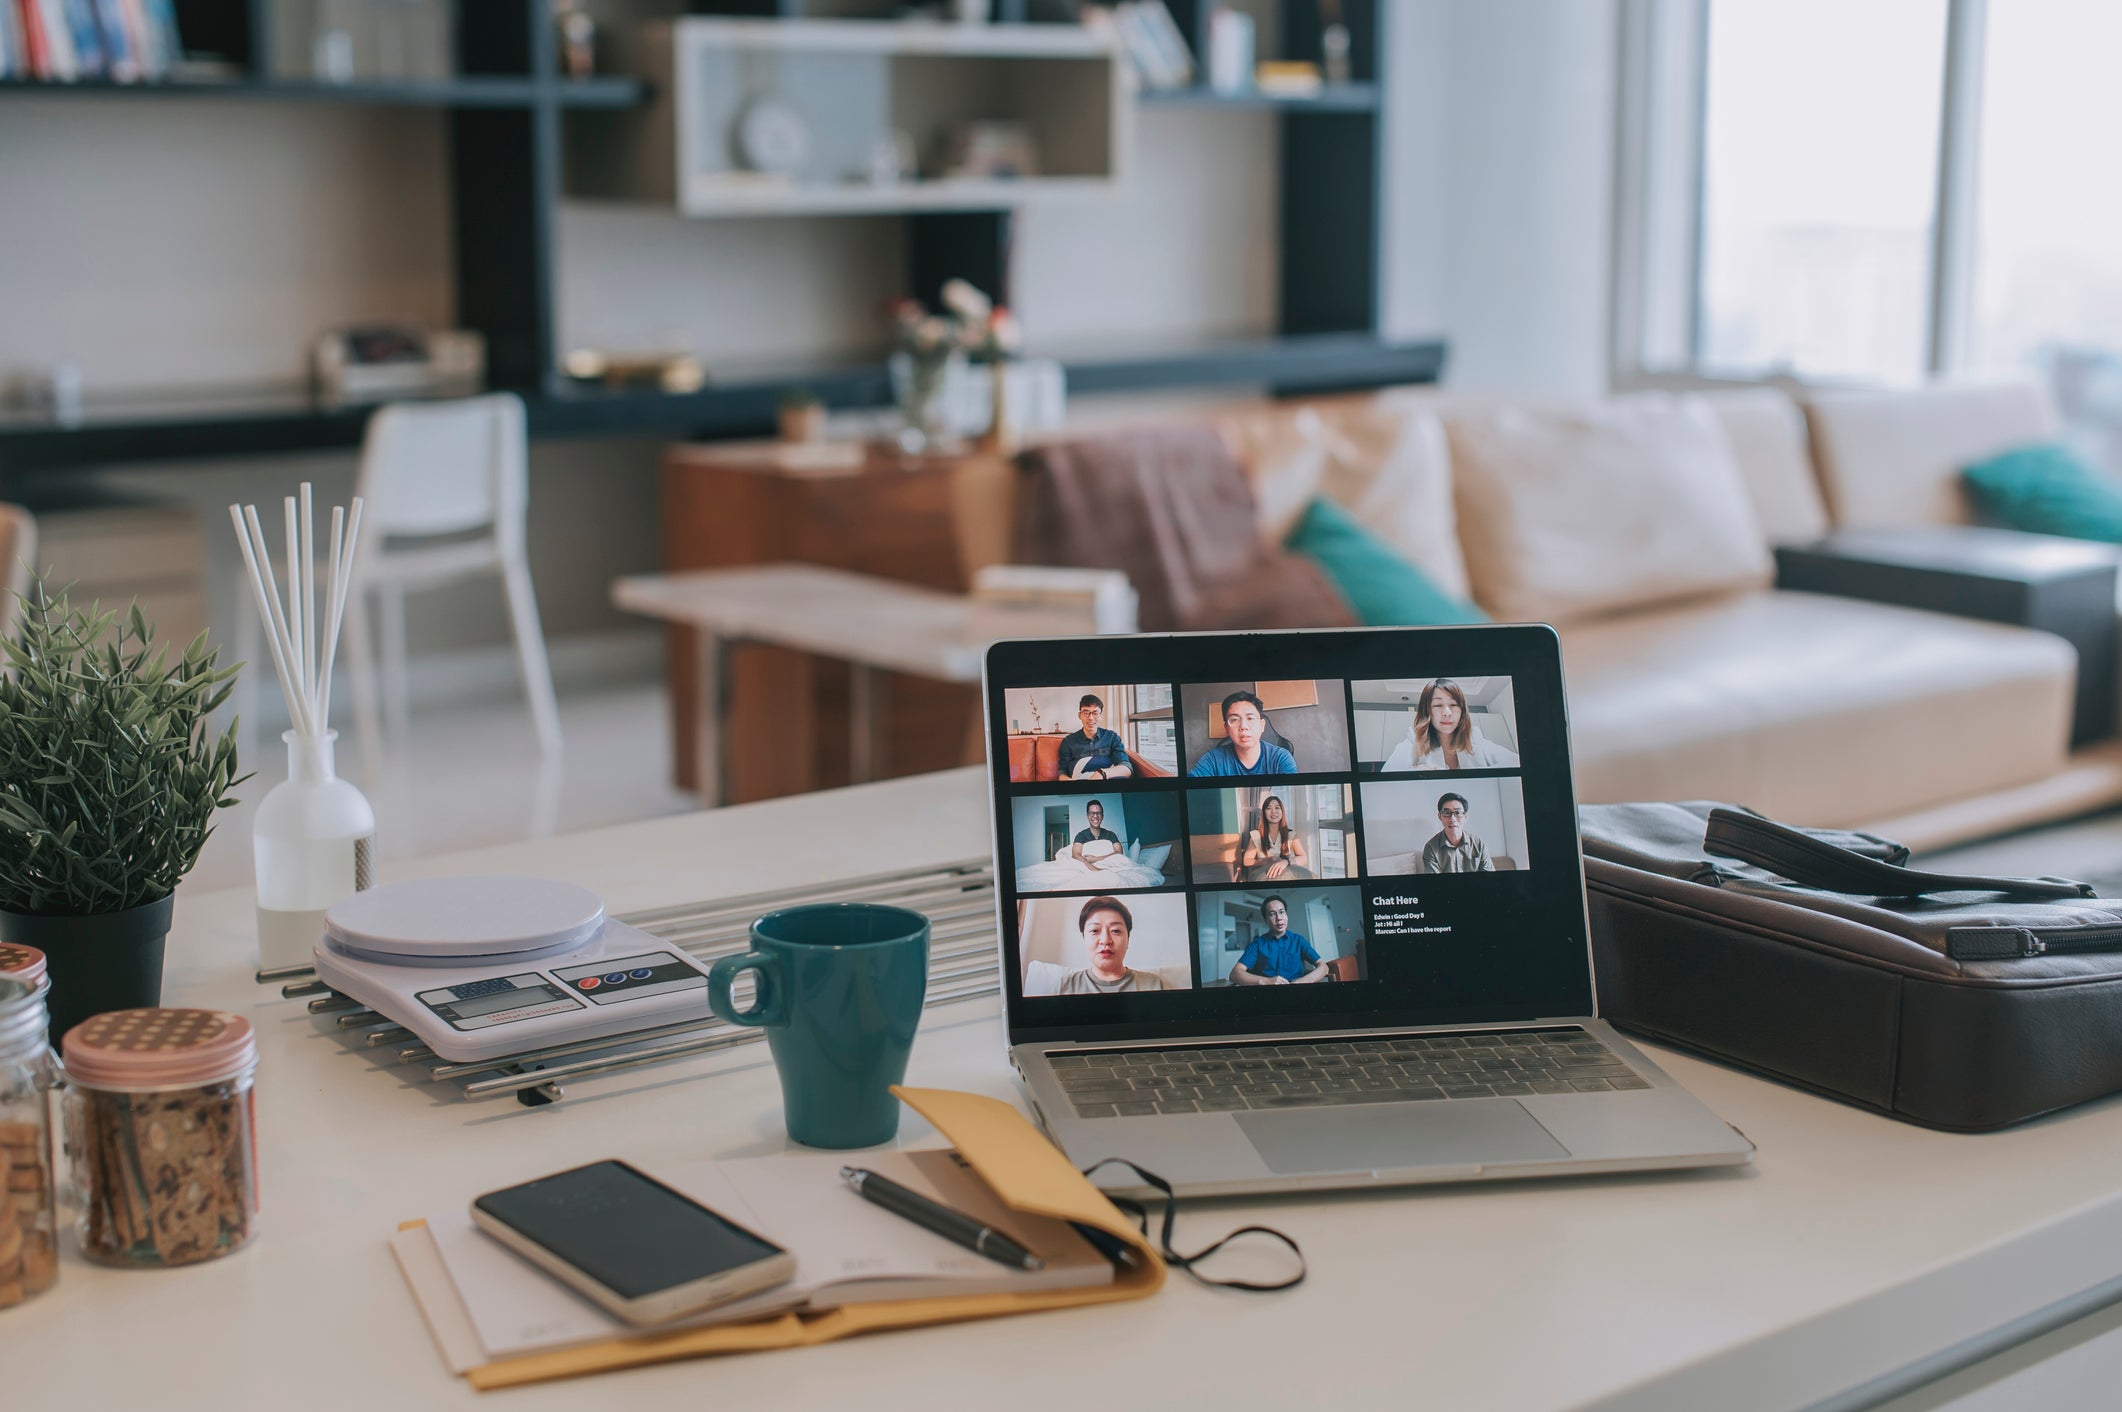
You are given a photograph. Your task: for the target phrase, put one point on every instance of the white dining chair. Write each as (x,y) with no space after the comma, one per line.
(18,564)
(445,488)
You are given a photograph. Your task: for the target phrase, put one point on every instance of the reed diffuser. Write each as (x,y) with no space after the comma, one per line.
(315,835)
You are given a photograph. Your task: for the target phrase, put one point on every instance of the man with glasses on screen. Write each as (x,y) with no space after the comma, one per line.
(1094,752)
(1455,850)
(1245,748)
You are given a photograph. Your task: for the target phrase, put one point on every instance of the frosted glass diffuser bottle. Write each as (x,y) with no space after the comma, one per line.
(313,842)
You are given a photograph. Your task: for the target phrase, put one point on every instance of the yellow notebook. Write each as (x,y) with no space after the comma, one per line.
(1023,1170)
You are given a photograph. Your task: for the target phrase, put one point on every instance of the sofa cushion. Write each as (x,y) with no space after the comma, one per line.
(1893,458)
(1382,588)
(1046,759)
(2046,489)
(1567,513)
(1767,435)
(1170,508)
(1381,457)
(1812,709)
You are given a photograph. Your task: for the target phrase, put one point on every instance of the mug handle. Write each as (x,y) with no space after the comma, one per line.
(767,1007)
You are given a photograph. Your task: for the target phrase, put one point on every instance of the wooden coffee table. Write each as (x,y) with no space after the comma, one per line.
(875,625)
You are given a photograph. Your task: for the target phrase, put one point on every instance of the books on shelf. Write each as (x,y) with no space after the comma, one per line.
(65,41)
(1150,38)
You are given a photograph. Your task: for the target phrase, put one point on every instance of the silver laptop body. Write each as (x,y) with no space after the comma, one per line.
(1246,1098)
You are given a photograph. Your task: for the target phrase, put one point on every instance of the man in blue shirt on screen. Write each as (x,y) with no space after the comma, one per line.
(1245,749)
(1281,957)
(1094,751)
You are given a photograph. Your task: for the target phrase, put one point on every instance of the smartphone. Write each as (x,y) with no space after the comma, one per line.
(641,1250)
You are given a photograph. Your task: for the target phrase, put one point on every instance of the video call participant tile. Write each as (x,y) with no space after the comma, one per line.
(1096,842)
(1274,936)
(1104,945)
(1271,833)
(1424,724)
(1087,735)
(1444,826)
(1240,728)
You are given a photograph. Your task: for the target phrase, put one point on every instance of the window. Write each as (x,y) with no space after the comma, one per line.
(1819,174)
(2047,288)
(1153,732)
(1878,191)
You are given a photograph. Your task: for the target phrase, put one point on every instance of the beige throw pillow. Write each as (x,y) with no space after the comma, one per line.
(1384,461)
(1570,513)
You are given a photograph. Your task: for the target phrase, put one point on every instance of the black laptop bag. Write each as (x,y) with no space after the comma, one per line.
(1814,957)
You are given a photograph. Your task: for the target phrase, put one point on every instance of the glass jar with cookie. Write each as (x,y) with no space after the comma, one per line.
(163,1134)
(29,1262)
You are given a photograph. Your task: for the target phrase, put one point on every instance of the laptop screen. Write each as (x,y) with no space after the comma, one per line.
(1239,833)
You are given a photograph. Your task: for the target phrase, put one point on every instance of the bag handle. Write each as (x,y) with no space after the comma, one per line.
(1812,862)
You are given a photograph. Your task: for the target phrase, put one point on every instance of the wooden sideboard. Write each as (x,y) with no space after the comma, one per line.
(864,510)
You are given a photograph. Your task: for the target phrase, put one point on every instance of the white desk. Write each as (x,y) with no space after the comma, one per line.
(1857,1247)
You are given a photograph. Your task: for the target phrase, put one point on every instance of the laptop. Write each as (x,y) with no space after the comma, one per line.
(1287,911)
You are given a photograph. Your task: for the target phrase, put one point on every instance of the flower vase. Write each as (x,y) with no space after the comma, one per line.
(1001,430)
(314,842)
(922,385)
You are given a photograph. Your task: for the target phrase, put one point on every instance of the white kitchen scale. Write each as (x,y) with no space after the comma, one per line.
(482,967)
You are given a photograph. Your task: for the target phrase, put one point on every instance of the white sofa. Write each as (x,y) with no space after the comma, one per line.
(1689,675)
(1813,709)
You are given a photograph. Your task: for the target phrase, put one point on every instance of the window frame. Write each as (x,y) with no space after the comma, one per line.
(1656,321)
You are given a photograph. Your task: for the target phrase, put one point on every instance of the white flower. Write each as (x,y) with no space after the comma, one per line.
(965,301)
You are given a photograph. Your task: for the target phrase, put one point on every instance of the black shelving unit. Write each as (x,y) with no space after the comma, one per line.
(505,113)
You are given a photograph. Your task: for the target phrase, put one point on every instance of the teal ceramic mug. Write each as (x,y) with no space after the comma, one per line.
(840,986)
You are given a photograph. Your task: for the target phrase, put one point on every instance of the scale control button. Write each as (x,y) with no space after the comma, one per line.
(615,978)
(589,983)
(642,974)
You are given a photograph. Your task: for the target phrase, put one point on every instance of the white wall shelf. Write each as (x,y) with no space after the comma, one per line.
(849,86)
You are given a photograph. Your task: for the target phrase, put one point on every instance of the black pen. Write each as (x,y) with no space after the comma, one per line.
(953,1226)
(1110,1246)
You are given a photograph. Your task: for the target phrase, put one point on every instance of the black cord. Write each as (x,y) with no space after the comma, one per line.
(1187,1262)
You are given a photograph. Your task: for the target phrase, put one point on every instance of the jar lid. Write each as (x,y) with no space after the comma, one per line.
(137,1049)
(24,963)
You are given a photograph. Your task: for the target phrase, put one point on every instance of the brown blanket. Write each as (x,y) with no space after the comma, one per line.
(1172,509)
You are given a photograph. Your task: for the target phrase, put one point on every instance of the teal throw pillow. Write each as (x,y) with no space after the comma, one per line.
(1383,588)
(2046,489)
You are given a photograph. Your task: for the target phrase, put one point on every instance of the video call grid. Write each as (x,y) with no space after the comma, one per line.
(1359,869)
(1183,783)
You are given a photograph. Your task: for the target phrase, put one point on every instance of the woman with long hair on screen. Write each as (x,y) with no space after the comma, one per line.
(1271,850)
(1441,735)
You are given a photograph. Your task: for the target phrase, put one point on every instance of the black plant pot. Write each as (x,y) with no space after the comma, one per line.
(98,962)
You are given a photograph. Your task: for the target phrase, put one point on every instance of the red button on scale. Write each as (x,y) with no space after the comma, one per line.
(589,983)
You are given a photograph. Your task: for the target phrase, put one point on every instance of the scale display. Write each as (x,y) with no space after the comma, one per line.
(498,1000)
(624,978)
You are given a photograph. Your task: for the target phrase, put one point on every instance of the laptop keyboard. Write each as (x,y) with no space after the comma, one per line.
(1125,1083)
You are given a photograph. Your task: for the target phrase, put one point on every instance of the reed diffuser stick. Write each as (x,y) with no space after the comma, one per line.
(302,657)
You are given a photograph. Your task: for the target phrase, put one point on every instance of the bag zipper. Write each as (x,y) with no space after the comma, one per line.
(2016,943)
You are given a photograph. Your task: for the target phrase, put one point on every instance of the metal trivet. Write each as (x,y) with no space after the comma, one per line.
(957,898)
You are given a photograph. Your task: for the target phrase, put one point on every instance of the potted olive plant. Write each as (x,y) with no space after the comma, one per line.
(108,785)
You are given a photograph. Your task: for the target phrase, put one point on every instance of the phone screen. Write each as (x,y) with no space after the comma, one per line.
(628,1232)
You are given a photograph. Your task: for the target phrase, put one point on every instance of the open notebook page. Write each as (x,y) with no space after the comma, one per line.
(847,1250)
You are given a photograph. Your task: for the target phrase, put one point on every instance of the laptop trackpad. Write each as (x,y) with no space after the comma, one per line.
(1363,1137)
